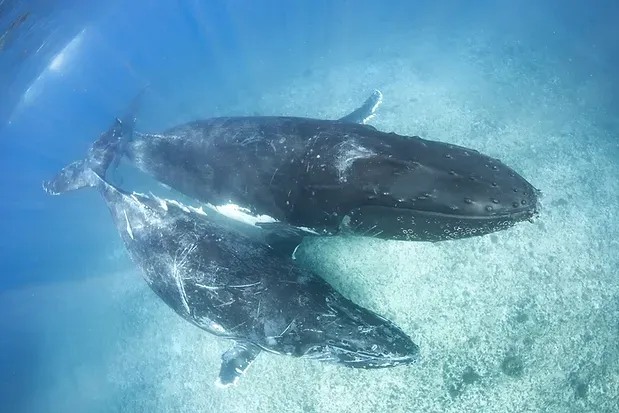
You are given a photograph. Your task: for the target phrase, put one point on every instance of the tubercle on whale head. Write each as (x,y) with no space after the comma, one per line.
(375,356)
(443,192)
(362,339)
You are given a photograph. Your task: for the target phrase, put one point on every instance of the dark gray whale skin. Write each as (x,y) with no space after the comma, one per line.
(330,175)
(214,274)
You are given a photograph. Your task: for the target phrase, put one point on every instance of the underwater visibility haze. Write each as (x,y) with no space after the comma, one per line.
(431,190)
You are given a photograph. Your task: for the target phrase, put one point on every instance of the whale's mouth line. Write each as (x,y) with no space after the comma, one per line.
(376,360)
(335,353)
(516,214)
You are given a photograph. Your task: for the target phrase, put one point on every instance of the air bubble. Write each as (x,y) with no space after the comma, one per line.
(495,201)
(523,202)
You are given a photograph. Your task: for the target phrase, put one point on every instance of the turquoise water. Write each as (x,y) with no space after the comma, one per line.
(524,320)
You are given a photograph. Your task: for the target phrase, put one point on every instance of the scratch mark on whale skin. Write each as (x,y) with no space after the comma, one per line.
(348,152)
(178,265)
(129,230)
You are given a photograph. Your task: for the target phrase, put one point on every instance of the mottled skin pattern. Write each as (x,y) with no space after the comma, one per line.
(233,285)
(325,175)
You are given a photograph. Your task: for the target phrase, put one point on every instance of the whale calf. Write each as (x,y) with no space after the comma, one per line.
(213,274)
(325,176)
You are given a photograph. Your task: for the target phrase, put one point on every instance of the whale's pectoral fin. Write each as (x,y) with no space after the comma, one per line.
(235,362)
(366,111)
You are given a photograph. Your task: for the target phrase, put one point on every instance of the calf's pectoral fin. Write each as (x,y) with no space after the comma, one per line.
(235,362)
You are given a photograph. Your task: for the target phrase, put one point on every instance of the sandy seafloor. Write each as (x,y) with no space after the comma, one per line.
(525,320)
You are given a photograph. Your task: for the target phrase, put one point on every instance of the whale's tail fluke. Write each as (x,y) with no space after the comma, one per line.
(102,153)
(81,173)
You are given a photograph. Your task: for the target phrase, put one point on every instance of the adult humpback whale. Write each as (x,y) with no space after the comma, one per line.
(216,276)
(322,175)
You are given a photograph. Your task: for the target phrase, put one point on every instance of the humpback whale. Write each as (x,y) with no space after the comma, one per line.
(325,176)
(214,274)
(302,176)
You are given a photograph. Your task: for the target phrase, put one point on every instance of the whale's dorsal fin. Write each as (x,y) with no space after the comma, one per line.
(366,111)
(235,362)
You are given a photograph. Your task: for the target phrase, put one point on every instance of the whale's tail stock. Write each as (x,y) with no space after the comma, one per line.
(103,152)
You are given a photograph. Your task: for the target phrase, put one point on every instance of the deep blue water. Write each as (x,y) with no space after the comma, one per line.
(532,83)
